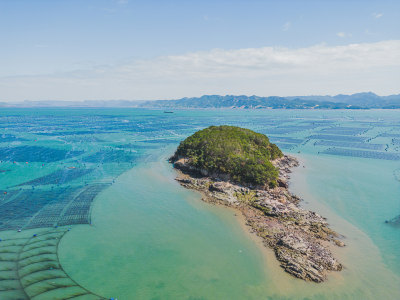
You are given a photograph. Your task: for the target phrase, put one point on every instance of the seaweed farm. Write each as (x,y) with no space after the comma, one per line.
(30,269)
(360,145)
(56,163)
(35,154)
(362,153)
(342,138)
(58,177)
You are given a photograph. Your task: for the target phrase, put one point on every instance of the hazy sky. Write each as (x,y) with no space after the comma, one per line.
(125,49)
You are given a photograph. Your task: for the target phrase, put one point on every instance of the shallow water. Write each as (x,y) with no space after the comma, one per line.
(157,240)
(150,238)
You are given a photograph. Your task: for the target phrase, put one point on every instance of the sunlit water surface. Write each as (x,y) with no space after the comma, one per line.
(150,238)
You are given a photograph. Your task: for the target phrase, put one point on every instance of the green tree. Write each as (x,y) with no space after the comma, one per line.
(241,153)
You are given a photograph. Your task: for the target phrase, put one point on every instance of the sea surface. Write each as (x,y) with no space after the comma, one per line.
(89,208)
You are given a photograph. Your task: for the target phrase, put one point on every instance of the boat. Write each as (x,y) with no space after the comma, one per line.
(168,112)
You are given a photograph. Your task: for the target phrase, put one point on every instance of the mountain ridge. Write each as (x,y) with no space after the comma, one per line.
(365,100)
(355,101)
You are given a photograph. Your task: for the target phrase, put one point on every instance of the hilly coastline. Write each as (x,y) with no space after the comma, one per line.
(240,168)
(367,100)
(356,101)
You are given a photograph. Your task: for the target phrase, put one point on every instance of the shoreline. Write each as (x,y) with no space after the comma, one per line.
(300,239)
(277,284)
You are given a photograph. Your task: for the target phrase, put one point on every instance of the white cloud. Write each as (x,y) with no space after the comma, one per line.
(286,26)
(343,34)
(377,15)
(318,69)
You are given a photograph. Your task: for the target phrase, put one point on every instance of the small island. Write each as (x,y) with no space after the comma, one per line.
(240,168)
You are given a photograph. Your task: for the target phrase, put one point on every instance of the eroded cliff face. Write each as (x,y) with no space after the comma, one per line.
(300,238)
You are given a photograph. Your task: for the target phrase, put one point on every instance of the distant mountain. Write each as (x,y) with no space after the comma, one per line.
(252,102)
(85,103)
(363,100)
(355,101)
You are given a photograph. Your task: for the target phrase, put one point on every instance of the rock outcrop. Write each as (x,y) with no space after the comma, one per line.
(394,222)
(300,238)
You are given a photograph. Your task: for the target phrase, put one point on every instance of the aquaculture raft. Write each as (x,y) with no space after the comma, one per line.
(30,269)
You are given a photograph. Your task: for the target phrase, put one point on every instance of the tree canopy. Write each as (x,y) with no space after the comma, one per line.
(241,153)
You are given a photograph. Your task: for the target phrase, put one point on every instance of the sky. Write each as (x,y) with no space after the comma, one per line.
(139,50)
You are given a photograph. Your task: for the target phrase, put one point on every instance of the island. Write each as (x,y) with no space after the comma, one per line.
(240,168)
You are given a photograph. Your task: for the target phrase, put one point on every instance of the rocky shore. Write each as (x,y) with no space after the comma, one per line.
(300,238)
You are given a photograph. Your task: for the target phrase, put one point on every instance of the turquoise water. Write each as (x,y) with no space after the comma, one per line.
(143,236)
(157,241)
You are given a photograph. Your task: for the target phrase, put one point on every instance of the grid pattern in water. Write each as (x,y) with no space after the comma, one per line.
(30,269)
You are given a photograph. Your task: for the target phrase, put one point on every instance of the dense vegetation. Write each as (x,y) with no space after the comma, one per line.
(241,153)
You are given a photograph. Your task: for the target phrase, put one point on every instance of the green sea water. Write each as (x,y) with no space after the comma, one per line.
(150,238)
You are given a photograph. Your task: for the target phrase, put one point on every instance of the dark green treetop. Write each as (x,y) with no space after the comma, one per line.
(241,153)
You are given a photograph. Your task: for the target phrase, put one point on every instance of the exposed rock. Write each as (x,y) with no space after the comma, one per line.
(394,222)
(296,235)
(282,183)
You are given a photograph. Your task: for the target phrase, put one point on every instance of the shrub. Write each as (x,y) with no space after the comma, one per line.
(241,153)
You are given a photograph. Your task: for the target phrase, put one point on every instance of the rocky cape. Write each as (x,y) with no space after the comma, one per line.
(300,238)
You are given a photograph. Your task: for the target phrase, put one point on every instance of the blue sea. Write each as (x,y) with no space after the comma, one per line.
(89,208)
